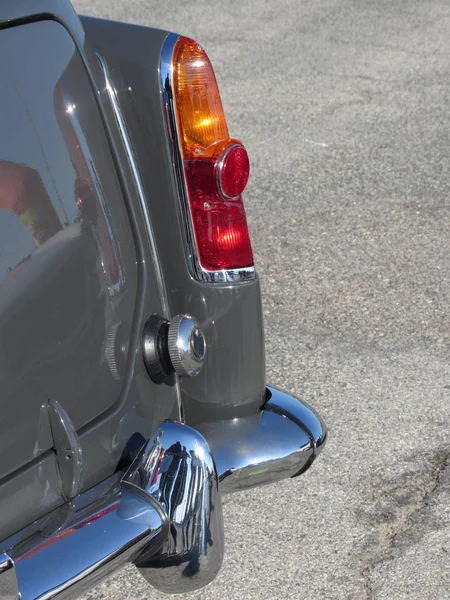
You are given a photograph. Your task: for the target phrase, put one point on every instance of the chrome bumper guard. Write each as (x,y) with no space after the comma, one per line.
(164,514)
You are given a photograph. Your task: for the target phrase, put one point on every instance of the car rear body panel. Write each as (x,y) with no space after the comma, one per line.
(110,399)
(94,241)
(74,304)
(68,276)
(232,381)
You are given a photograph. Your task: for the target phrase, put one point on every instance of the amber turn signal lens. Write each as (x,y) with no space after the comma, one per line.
(200,116)
(216,168)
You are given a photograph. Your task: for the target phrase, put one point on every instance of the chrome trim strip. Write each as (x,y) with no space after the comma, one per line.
(164,515)
(112,93)
(67,552)
(196,269)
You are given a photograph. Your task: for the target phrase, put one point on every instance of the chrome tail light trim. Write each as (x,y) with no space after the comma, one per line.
(196,269)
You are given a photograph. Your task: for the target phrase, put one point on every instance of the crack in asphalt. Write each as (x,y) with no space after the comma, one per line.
(403,502)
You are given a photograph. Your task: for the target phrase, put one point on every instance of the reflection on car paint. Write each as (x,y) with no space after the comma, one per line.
(23,193)
(88,191)
(61,269)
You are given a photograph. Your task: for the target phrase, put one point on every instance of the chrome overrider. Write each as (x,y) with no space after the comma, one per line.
(176,468)
(164,514)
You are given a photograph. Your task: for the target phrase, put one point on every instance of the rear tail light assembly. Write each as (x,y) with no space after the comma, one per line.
(212,168)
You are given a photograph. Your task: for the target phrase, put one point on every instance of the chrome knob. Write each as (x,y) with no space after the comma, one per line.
(187,345)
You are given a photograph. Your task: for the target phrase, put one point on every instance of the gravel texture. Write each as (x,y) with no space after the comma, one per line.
(344,107)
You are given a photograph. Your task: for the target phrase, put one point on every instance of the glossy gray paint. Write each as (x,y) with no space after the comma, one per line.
(232,380)
(68,275)
(107,440)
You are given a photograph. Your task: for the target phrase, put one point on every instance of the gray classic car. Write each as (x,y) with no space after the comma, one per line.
(133,392)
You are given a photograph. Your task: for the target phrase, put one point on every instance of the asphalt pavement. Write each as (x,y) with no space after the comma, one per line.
(344,107)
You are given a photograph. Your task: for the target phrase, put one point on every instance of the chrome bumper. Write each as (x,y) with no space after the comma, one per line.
(164,515)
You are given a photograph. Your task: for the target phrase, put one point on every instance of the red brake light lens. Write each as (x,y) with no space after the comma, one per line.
(216,167)
(233,171)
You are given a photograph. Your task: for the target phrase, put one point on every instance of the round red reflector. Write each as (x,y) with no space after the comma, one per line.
(233,170)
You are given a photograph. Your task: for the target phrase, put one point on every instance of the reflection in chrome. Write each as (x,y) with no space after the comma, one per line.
(165,514)
(299,413)
(222,276)
(104,528)
(281,441)
(8,581)
(69,457)
(176,468)
(187,345)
